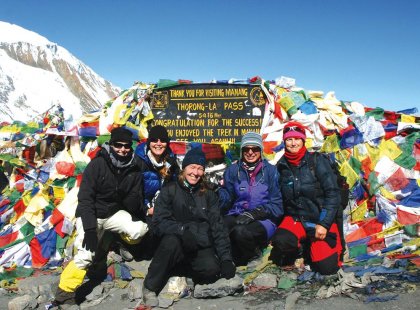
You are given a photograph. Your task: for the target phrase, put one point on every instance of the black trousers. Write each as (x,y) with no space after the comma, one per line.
(246,240)
(171,260)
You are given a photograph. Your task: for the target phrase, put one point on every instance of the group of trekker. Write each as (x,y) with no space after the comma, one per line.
(153,208)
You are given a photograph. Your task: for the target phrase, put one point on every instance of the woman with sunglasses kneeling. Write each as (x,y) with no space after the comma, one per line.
(109,200)
(193,239)
(251,200)
(311,200)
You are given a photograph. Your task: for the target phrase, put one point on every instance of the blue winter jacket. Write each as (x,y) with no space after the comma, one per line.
(237,195)
(152,180)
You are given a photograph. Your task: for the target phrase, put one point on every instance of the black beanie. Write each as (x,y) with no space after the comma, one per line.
(194,156)
(158,132)
(120,134)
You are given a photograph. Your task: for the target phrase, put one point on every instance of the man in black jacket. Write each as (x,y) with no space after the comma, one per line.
(110,196)
(193,238)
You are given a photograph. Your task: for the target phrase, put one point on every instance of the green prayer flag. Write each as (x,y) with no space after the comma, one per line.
(285,283)
(18,272)
(27,229)
(374,185)
(61,243)
(357,250)
(355,164)
(162,83)
(376,113)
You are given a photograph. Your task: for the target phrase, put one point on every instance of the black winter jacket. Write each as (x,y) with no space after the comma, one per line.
(106,189)
(304,197)
(178,209)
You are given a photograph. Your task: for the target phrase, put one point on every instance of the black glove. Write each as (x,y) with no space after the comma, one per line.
(244,218)
(258,213)
(330,238)
(90,242)
(189,243)
(227,269)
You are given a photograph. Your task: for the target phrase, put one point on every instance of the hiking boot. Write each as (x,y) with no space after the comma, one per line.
(149,297)
(125,253)
(63,297)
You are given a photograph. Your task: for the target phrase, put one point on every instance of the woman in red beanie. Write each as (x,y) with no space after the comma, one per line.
(310,201)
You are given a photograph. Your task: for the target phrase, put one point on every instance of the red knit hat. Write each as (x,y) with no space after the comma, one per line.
(294,130)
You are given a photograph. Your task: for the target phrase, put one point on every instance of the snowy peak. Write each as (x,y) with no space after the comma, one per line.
(11,33)
(36,74)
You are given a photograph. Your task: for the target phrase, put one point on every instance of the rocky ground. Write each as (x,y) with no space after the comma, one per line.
(259,286)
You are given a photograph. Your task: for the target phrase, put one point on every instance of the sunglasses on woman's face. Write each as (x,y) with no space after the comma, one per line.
(293,128)
(254,149)
(119,145)
(155,140)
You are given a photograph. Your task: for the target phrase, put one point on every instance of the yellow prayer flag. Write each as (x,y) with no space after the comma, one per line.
(309,143)
(390,230)
(26,197)
(35,210)
(390,149)
(10,129)
(330,144)
(388,195)
(374,154)
(360,152)
(408,118)
(347,171)
(147,118)
(358,214)
(59,192)
(269,156)
(122,113)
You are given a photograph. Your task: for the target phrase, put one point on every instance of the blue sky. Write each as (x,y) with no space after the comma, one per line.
(366,51)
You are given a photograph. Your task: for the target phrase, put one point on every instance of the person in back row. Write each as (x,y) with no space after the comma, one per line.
(311,200)
(193,239)
(251,201)
(110,195)
(160,166)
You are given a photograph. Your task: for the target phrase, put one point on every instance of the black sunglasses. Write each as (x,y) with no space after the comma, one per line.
(254,149)
(293,128)
(119,145)
(154,140)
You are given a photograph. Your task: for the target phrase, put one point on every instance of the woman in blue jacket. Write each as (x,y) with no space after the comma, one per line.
(251,200)
(159,167)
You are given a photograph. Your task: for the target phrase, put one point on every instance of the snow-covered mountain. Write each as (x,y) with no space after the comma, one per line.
(36,74)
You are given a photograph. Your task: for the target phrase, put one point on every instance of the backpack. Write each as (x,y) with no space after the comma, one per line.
(341,181)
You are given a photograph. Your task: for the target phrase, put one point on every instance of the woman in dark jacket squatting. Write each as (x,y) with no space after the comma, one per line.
(193,239)
(310,200)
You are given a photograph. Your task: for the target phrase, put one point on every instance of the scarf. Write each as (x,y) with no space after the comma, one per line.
(295,158)
(250,166)
(191,187)
(117,160)
(153,160)
(252,170)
